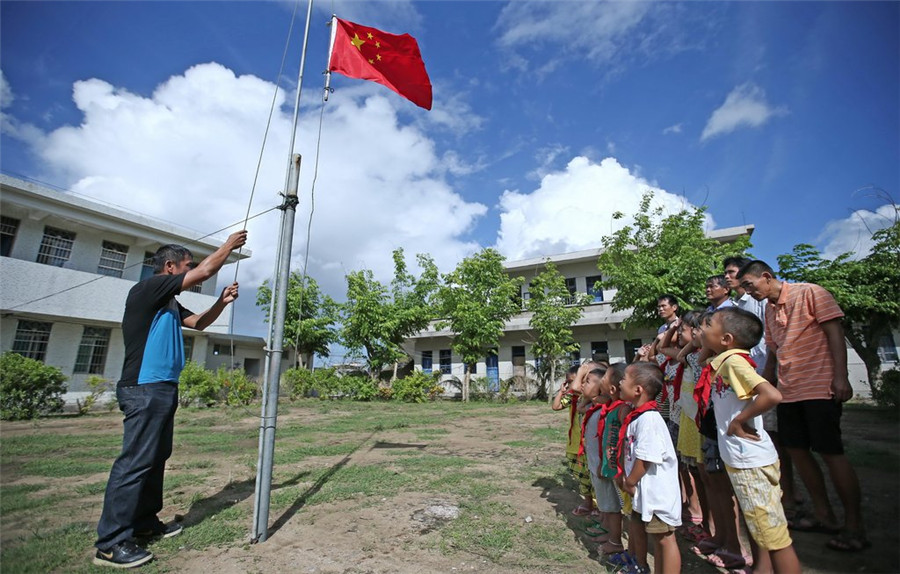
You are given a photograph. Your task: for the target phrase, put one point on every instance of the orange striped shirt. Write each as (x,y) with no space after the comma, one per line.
(794,333)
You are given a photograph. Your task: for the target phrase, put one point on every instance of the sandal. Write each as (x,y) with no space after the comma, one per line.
(806,524)
(595,530)
(582,510)
(705,547)
(721,558)
(846,542)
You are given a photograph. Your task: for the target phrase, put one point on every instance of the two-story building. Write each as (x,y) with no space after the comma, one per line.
(66,266)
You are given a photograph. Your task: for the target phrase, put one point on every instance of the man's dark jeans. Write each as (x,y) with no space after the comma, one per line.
(134,493)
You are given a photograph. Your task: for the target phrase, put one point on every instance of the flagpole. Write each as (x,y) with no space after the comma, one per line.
(330,50)
(269,415)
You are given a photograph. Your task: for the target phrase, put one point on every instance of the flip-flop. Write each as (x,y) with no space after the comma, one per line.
(848,543)
(704,547)
(582,510)
(721,558)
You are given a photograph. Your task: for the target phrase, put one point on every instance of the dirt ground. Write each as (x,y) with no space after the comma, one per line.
(400,534)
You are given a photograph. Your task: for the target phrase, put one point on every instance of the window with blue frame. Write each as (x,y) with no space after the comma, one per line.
(445,360)
(427,361)
(596,293)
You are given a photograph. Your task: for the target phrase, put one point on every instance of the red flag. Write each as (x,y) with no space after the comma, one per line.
(392,61)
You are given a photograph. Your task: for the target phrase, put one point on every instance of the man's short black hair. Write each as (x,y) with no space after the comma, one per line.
(669,298)
(572,370)
(735,261)
(719,280)
(648,376)
(755,268)
(744,326)
(171,252)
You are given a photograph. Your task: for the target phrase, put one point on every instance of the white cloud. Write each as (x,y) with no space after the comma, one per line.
(188,153)
(572,209)
(854,234)
(541,36)
(546,157)
(745,106)
(673,129)
(6,94)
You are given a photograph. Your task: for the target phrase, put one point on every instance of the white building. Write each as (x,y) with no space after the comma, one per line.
(66,266)
(598,333)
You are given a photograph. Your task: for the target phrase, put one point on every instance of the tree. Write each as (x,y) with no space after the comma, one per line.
(867,289)
(378,318)
(308,330)
(659,255)
(552,318)
(476,300)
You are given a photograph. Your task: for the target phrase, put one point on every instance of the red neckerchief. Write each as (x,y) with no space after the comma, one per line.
(584,420)
(648,406)
(704,386)
(608,408)
(676,381)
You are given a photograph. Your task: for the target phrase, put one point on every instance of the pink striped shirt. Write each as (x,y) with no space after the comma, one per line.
(794,333)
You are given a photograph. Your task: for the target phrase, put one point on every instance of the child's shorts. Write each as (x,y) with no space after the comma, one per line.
(607,495)
(759,496)
(711,458)
(657,526)
(581,474)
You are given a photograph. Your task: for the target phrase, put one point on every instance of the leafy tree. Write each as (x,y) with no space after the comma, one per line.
(308,331)
(476,300)
(553,314)
(377,318)
(867,289)
(659,255)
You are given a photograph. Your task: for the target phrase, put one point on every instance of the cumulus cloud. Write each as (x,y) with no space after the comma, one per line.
(188,154)
(854,233)
(745,106)
(572,209)
(6,94)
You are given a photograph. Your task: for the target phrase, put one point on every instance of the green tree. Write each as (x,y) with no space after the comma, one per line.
(553,312)
(377,318)
(310,324)
(657,255)
(475,300)
(867,289)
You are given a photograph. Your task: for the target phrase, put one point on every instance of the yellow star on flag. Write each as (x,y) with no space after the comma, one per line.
(369,34)
(358,42)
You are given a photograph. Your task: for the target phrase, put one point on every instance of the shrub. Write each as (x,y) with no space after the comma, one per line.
(197,385)
(362,388)
(29,388)
(887,389)
(235,387)
(415,388)
(480,388)
(298,383)
(97,386)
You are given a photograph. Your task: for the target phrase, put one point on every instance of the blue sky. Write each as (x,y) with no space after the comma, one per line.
(548,116)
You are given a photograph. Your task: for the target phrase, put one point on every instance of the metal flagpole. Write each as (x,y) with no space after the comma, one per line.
(260,530)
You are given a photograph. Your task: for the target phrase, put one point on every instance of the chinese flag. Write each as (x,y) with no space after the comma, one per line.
(392,61)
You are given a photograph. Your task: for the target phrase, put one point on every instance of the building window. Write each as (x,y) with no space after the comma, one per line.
(91,356)
(56,246)
(427,362)
(887,349)
(631,348)
(188,348)
(596,293)
(445,360)
(147,268)
(112,259)
(196,288)
(600,350)
(31,339)
(8,229)
(575,358)
(570,287)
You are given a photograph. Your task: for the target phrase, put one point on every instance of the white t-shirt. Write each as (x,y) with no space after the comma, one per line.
(658,492)
(732,385)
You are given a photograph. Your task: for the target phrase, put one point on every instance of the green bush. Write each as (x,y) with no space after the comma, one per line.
(887,389)
(415,388)
(29,388)
(361,387)
(97,386)
(236,389)
(297,383)
(197,385)
(320,383)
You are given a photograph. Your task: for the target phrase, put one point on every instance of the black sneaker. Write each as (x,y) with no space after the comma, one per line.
(123,555)
(164,531)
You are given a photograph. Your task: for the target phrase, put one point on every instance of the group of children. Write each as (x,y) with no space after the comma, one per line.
(675,442)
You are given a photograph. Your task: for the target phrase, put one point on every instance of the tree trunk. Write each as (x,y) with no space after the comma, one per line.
(551,383)
(865,343)
(394,375)
(465,389)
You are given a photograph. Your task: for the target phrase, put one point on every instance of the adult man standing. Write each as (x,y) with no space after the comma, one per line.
(148,397)
(718,293)
(806,343)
